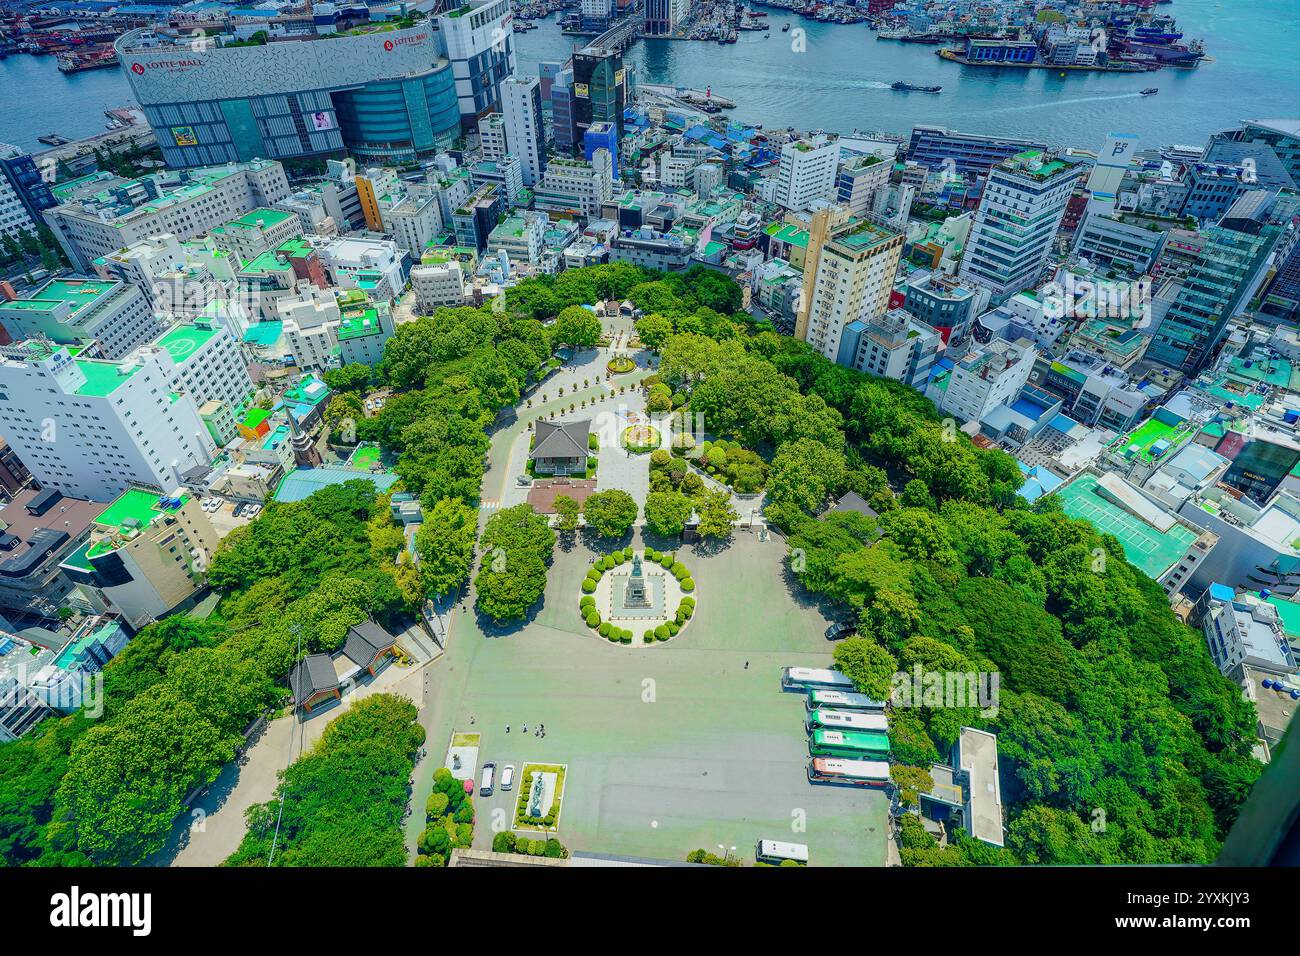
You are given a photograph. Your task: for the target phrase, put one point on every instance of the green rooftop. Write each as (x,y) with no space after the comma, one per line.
(359,325)
(788,233)
(864,235)
(75,293)
(1153,551)
(1140,443)
(182,341)
(103,378)
(260,218)
(134,509)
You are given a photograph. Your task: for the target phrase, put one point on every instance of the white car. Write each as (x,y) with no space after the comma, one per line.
(508,776)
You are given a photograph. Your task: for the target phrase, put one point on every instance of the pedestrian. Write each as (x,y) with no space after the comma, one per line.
(746,665)
(471,720)
(525,728)
(507,728)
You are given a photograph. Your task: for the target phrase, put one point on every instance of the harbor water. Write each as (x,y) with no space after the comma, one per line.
(837,77)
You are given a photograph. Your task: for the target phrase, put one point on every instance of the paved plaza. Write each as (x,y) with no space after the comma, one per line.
(685,744)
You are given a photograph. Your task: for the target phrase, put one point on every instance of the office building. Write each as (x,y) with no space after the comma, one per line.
(106,213)
(599,88)
(478,38)
(1231,267)
(26,181)
(988,376)
(961,153)
(894,345)
(1243,630)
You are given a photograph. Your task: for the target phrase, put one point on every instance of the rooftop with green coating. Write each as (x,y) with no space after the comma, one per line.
(788,233)
(260,218)
(76,293)
(1153,551)
(135,508)
(182,341)
(103,378)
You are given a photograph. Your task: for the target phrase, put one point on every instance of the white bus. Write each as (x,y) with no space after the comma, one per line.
(843,700)
(846,720)
(855,773)
(811,678)
(774,852)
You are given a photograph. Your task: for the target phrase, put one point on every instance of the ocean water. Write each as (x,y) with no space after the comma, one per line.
(840,81)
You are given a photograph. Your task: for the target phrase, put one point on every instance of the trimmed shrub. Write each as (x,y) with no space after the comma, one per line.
(688,602)
(593,618)
(672,628)
(586,602)
(661,632)
(588,585)
(688,584)
(604,628)
(666,560)
(625,637)
(437,804)
(678,569)
(503,842)
(651,554)
(684,609)
(612,637)
(649,635)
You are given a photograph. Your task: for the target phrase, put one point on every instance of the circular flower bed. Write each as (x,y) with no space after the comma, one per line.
(641,438)
(620,364)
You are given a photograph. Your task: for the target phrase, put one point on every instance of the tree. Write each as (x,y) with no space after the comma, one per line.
(911,782)
(717,516)
(653,330)
(516,544)
(350,378)
(568,511)
(610,514)
(666,512)
(869,665)
(577,327)
(445,544)
(804,473)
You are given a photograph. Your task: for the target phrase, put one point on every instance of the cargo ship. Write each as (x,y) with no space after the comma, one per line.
(912,88)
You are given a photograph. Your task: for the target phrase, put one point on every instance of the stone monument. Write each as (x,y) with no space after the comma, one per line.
(635,595)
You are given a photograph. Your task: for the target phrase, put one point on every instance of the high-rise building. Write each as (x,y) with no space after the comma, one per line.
(525,130)
(807,172)
(89,428)
(659,18)
(478,37)
(384,95)
(596,14)
(853,276)
(1023,204)
(26,180)
(492,136)
(564,112)
(1231,267)
(599,88)
(858,180)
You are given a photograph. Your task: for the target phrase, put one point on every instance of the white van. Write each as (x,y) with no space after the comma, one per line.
(485,781)
(775,852)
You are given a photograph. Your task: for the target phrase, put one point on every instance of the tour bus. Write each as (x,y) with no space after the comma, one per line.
(774,852)
(843,700)
(856,773)
(853,744)
(846,720)
(809,678)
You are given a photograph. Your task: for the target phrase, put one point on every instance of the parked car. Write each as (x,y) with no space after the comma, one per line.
(524,480)
(253,510)
(508,777)
(839,630)
(485,786)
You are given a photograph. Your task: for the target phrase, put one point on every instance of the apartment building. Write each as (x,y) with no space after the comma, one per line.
(852,279)
(806,173)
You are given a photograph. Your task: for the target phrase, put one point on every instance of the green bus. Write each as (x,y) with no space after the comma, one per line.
(852,744)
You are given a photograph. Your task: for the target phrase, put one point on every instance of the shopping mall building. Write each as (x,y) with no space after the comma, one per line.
(384,94)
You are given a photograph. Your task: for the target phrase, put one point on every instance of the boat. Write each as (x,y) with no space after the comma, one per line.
(1151,91)
(912,88)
